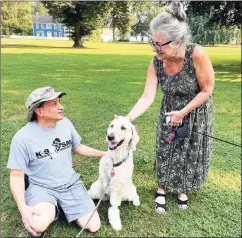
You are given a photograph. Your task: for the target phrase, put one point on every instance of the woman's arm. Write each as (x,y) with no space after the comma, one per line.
(205,77)
(148,95)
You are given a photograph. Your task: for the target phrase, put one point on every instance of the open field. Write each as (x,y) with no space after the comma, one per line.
(103,79)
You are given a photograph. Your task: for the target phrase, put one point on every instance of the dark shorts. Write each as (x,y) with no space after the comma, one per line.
(74,200)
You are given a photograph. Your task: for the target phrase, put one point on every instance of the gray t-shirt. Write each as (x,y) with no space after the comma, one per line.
(45,154)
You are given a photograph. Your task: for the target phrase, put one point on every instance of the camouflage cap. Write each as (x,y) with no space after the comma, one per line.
(38,96)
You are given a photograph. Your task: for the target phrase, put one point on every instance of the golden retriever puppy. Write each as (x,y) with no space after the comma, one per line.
(116,169)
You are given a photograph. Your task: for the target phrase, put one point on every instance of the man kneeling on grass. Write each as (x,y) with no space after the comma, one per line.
(42,150)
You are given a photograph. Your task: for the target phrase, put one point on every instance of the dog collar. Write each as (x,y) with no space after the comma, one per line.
(120,162)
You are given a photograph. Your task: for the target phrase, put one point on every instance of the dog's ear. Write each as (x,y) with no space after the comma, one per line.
(116,116)
(135,138)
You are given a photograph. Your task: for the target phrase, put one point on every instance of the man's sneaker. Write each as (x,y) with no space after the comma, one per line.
(38,235)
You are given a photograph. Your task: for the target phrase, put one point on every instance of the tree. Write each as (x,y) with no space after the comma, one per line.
(16,17)
(38,8)
(81,17)
(225,13)
(208,34)
(144,12)
(119,17)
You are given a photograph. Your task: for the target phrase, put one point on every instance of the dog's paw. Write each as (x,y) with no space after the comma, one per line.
(136,202)
(90,194)
(117,226)
(114,218)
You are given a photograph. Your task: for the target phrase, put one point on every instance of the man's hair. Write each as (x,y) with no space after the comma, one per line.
(34,117)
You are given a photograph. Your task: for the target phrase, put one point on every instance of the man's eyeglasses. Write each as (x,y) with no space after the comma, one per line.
(158,44)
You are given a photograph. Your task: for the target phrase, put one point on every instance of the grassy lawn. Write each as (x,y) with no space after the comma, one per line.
(105,79)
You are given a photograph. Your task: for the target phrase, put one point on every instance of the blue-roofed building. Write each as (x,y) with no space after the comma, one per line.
(43,26)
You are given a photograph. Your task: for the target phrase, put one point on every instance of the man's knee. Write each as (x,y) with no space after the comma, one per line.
(42,221)
(95,226)
(40,224)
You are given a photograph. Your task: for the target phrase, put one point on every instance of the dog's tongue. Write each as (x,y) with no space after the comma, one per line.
(112,144)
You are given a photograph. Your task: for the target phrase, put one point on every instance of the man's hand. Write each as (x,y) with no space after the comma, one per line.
(27,217)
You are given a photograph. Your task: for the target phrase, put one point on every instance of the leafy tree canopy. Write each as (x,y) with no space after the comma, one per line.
(16,17)
(119,17)
(226,13)
(81,17)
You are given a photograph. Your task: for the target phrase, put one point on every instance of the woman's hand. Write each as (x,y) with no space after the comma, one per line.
(128,117)
(176,118)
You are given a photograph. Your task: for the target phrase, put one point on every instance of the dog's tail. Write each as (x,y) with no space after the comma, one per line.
(114,218)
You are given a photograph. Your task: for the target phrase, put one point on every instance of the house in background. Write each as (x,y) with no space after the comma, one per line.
(107,35)
(43,26)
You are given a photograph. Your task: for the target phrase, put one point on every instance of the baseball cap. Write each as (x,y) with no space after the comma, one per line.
(38,96)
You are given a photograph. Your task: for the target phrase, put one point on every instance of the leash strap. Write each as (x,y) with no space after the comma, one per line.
(94,209)
(112,174)
(217,139)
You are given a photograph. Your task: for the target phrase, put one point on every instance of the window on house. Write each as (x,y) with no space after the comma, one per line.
(49,26)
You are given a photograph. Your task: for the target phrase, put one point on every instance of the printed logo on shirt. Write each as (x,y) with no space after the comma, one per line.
(55,148)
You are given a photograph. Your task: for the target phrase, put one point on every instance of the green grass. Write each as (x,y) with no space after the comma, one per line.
(105,79)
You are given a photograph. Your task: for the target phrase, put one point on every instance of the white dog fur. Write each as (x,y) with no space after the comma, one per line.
(121,186)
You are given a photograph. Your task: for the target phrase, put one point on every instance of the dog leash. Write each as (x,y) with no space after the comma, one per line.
(238,145)
(94,209)
(101,197)
(217,138)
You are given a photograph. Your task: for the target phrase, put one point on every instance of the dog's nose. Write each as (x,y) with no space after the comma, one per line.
(110,137)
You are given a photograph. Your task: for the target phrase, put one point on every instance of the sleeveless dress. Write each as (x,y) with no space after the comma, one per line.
(183,165)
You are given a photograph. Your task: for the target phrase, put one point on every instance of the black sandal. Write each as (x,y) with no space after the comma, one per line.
(159,207)
(182,205)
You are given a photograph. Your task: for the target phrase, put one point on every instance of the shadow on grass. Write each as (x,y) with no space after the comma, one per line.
(207,208)
(228,77)
(9,46)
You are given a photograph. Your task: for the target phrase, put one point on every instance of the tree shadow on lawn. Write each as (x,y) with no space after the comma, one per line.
(227,77)
(230,66)
(8,46)
(206,206)
(209,205)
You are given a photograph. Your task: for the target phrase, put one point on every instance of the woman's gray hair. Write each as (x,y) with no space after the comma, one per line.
(172,23)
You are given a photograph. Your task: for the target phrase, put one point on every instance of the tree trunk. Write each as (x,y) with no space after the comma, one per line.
(7,31)
(77,36)
(113,33)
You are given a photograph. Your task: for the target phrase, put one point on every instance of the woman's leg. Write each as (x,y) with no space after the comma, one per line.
(183,201)
(161,190)
(160,201)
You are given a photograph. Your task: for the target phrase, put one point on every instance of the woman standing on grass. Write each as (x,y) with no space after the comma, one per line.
(186,77)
